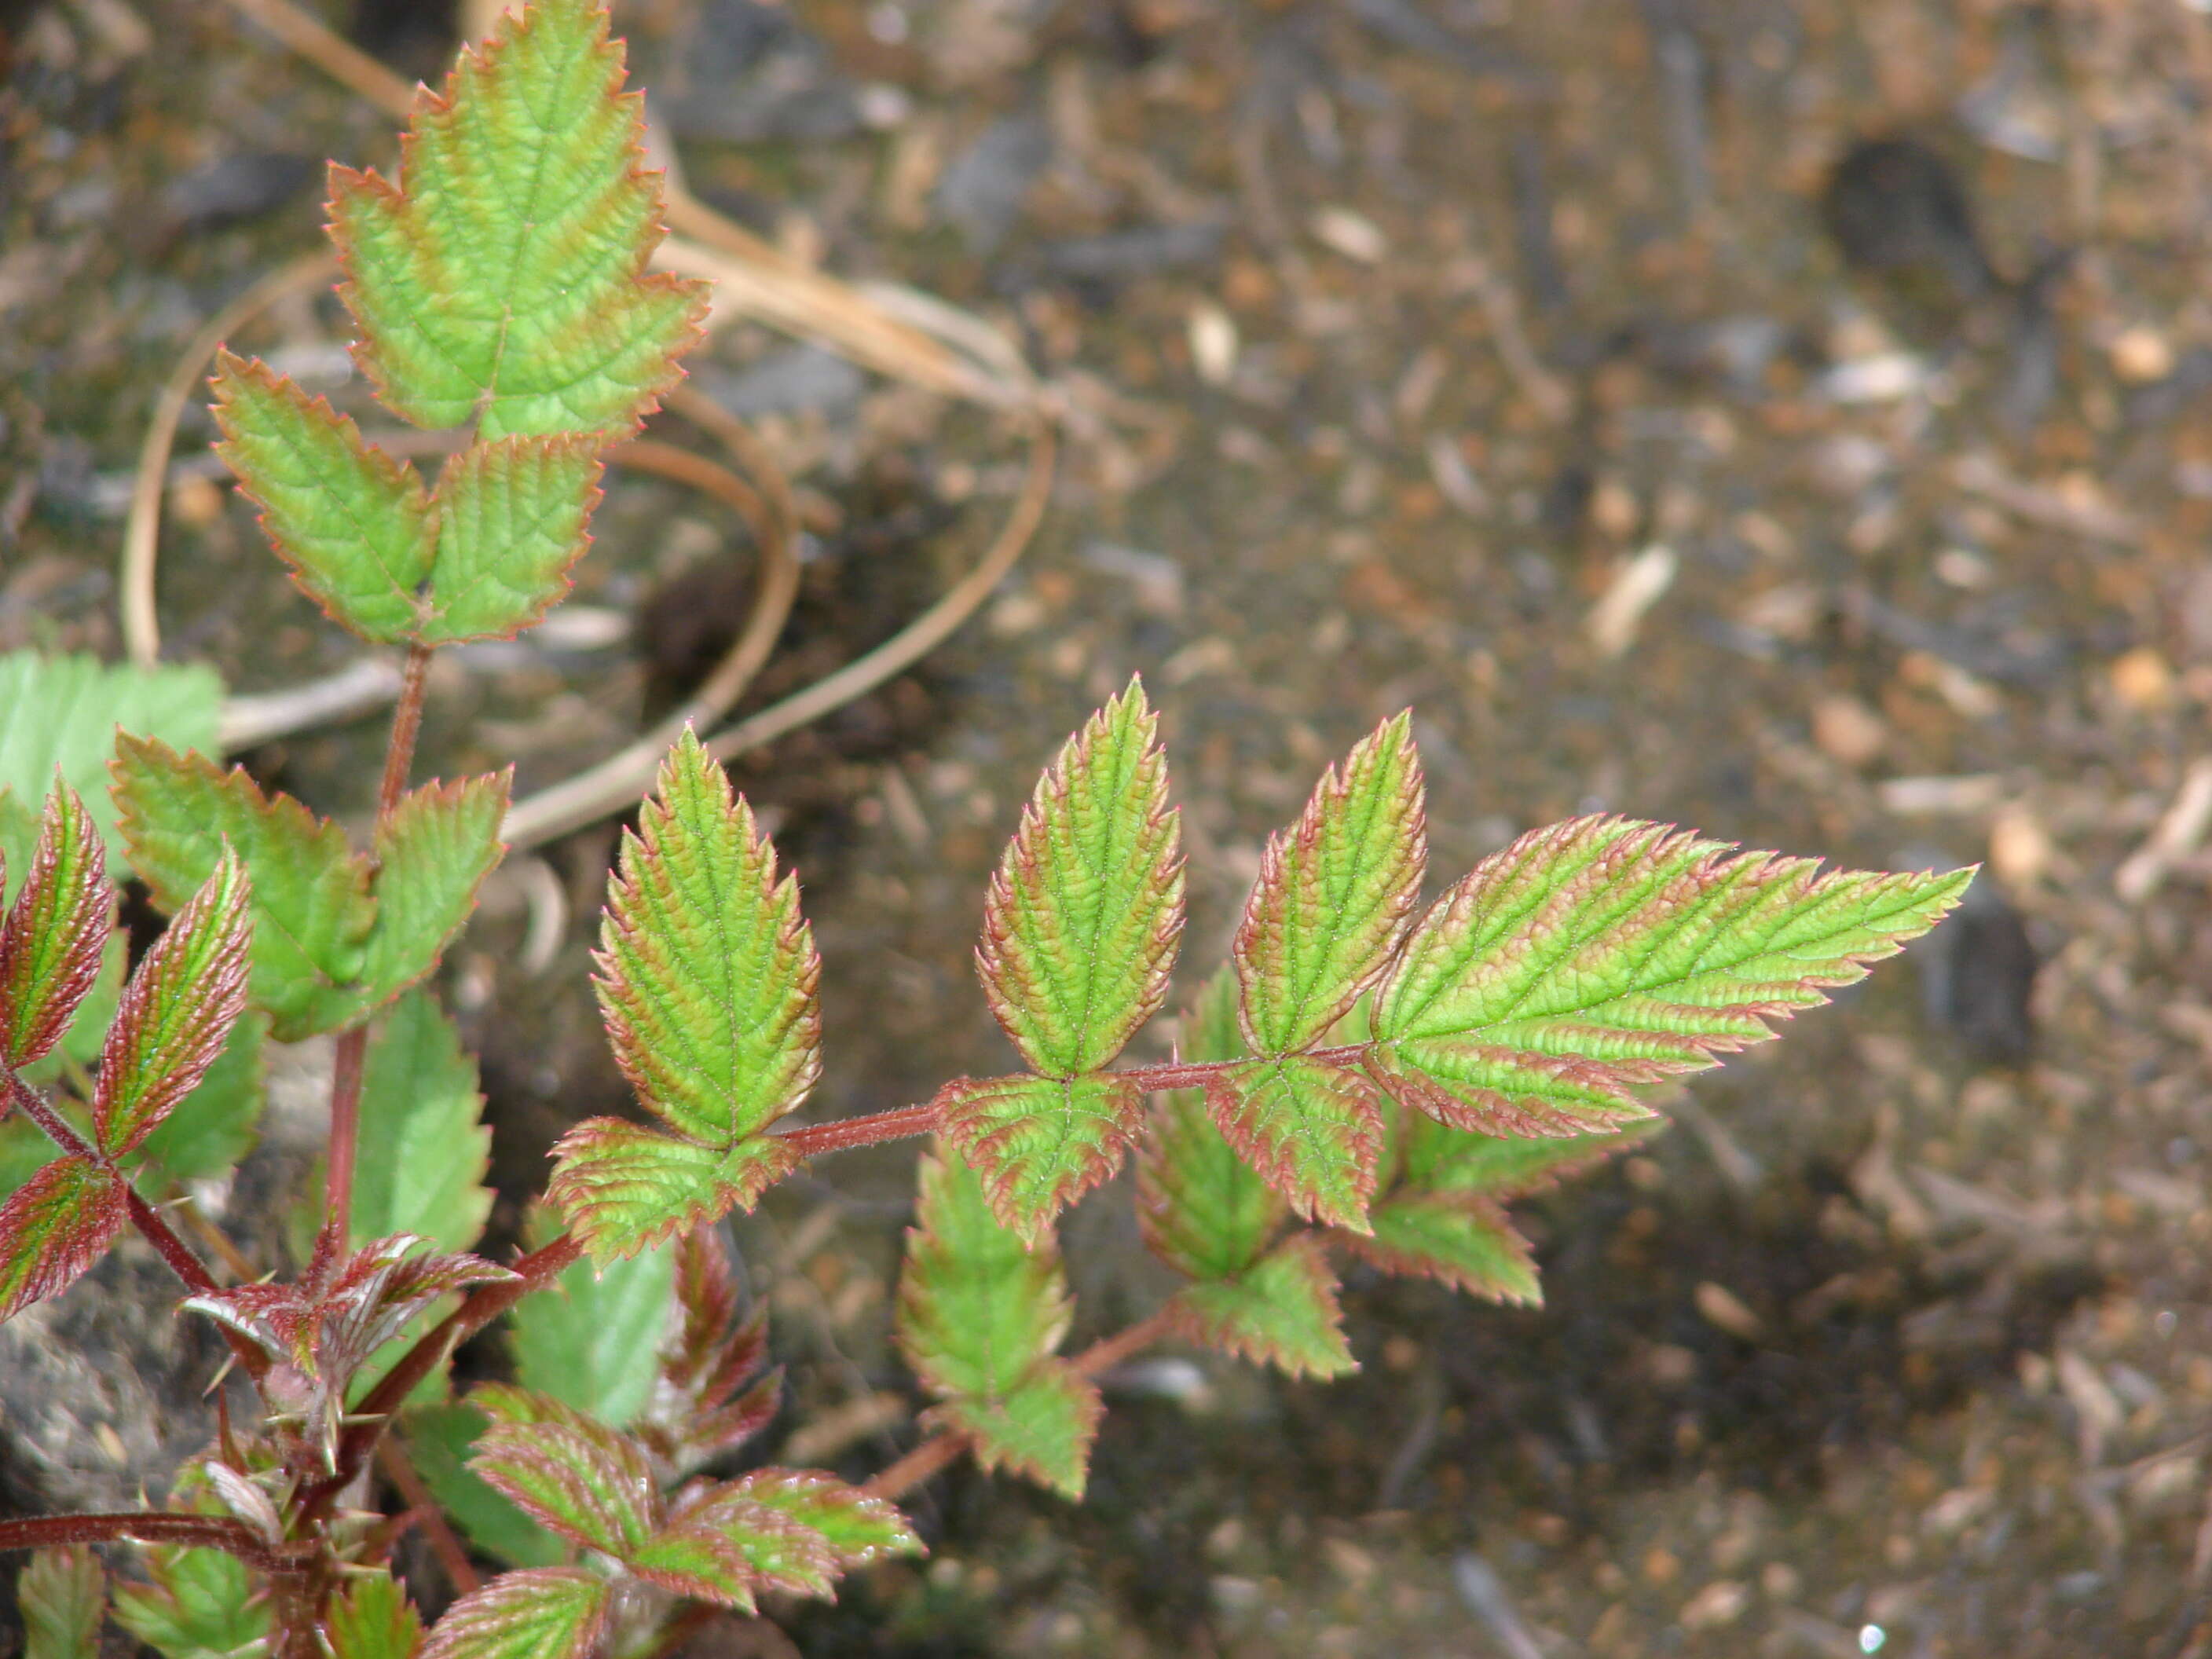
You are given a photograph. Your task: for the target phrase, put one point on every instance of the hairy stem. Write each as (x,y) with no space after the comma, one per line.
(422,1509)
(353,1045)
(940,1451)
(146,1526)
(844,1134)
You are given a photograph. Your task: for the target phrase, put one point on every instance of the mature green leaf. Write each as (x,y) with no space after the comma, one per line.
(540,1613)
(1203,1210)
(1041,1142)
(432,854)
(176,1011)
(724,1550)
(214,1126)
(440,1438)
(1042,1427)
(979,1317)
(593,1341)
(54,935)
(1334,893)
(707,970)
(372,1620)
(1603,953)
(580,1480)
(201,1604)
(511,521)
(1313,1130)
(1433,1157)
(1282,1311)
(1084,912)
(1462,1238)
(354,525)
(64,712)
(624,1188)
(505,279)
(54,1226)
(63,1597)
(312,906)
(420,1111)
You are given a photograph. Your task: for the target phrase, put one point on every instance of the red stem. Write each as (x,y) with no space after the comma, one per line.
(423,1510)
(145,1526)
(406,723)
(846,1133)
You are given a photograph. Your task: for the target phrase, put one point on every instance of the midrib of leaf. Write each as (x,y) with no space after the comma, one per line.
(1336,898)
(1097,919)
(525,235)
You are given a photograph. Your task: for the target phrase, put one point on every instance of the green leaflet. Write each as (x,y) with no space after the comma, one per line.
(1435,1158)
(624,1188)
(1041,1142)
(979,1317)
(540,1613)
(707,970)
(707,977)
(54,1227)
(860,1529)
(1085,911)
(63,1597)
(1462,1238)
(511,521)
(432,854)
(372,1620)
(1334,894)
(1603,953)
(214,1126)
(783,1529)
(440,1438)
(176,1011)
(594,1342)
(63,712)
(1280,1311)
(325,949)
(201,1604)
(354,525)
(54,938)
(1203,1210)
(580,1481)
(1312,1130)
(311,908)
(420,1111)
(505,278)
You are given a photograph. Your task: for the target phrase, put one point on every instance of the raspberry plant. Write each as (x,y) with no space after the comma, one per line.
(1363,1078)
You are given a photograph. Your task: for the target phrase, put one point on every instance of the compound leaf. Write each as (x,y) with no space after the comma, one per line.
(1335,894)
(63,1597)
(504,279)
(1463,1239)
(511,521)
(1085,911)
(176,1011)
(1202,1209)
(55,933)
(1313,1130)
(354,525)
(311,907)
(54,1227)
(372,1620)
(432,852)
(1603,952)
(706,969)
(539,1613)
(979,1317)
(593,1341)
(64,711)
(1282,1311)
(624,1188)
(1041,1142)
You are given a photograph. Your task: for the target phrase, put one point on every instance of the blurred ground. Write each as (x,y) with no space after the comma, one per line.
(1531,364)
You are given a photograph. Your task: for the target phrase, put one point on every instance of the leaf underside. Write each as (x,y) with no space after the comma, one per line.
(1603,953)
(1040,1142)
(504,279)
(1084,914)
